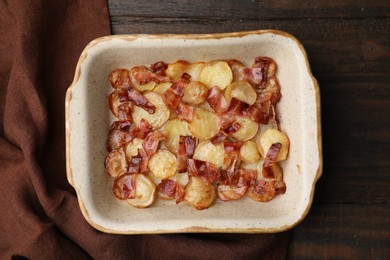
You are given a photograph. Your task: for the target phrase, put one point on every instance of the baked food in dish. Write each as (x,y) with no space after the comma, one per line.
(196,131)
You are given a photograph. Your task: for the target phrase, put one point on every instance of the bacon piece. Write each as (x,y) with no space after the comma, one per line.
(119,79)
(143,75)
(267,190)
(159,68)
(118,135)
(141,130)
(253,75)
(270,159)
(171,189)
(233,185)
(151,142)
(185,151)
(208,172)
(124,187)
(223,134)
(138,163)
(227,119)
(247,177)
(232,150)
(173,95)
(185,111)
(237,107)
(217,101)
(139,100)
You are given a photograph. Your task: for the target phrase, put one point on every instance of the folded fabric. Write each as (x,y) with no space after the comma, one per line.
(40,218)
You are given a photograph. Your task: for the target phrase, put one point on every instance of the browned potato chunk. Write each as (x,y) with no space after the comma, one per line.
(163,164)
(116,163)
(173,129)
(132,148)
(237,68)
(145,192)
(249,152)
(207,151)
(247,130)
(194,70)
(158,118)
(162,87)
(270,137)
(217,73)
(205,124)
(195,93)
(176,69)
(241,90)
(199,194)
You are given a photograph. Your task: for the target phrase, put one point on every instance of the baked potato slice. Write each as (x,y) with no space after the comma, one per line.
(241,90)
(199,194)
(207,151)
(145,192)
(204,124)
(194,70)
(195,93)
(217,73)
(163,164)
(116,163)
(247,130)
(132,147)
(158,118)
(270,137)
(249,152)
(162,87)
(176,69)
(173,129)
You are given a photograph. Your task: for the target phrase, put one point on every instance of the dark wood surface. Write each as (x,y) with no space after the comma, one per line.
(348,43)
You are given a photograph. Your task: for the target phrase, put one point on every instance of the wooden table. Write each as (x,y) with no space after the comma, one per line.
(348,43)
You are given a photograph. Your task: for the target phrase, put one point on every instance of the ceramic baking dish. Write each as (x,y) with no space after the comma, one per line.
(88,119)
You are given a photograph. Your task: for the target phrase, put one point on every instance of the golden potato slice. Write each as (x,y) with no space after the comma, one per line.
(173,130)
(158,118)
(249,152)
(216,73)
(162,87)
(176,69)
(181,178)
(199,194)
(163,164)
(116,163)
(228,193)
(247,130)
(241,90)
(145,192)
(195,93)
(237,68)
(132,148)
(207,151)
(270,137)
(205,124)
(145,87)
(194,70)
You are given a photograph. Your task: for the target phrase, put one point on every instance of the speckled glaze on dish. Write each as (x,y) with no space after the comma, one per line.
(88,119)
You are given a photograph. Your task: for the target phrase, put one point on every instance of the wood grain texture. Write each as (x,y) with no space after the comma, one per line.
(343,231)
(250,9)
(348,44)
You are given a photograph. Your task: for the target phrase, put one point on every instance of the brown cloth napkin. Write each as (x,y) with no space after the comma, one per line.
(40,42)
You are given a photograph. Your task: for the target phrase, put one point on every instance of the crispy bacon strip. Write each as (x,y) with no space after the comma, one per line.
(151,142)
(173,95)
(138,163)
(232,150)
(205,170)
(141,130)
(270,159)
(171,189)
(124,187)
(185,111)
(217,100)
(119,79)
(223,134)
(139,100)
(143,75)
(253,75)
(267,190)
(118,135)
(159,68)
(185,151)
